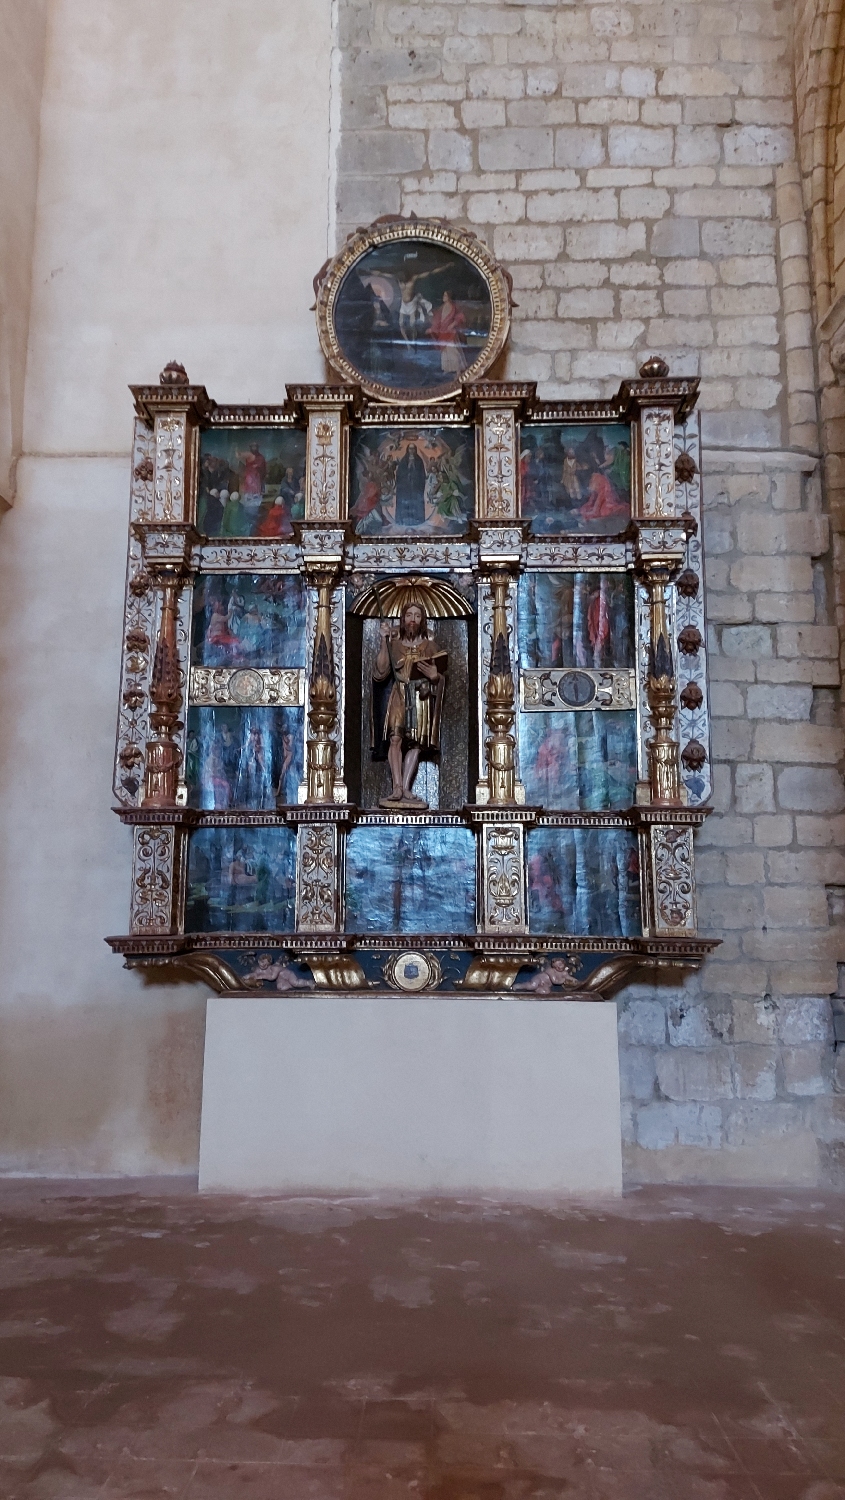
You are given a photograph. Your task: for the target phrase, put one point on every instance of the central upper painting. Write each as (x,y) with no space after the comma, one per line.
(412,311)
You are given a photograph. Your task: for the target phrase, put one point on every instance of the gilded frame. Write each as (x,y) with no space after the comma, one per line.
(394,231)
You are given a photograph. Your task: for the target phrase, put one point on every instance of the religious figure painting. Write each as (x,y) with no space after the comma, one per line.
(418,480)
(247,758)
(241,880)
(244,619)
(410,878)
(576,479)
(413,315)
(576,620)
(251,481)
(579,762)
(584,882)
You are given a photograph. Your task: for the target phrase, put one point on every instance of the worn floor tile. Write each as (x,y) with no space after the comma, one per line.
(678,1345)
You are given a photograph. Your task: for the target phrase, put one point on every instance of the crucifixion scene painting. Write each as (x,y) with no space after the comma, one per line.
(418,480)
(413,316)
(251,482)
(576,479)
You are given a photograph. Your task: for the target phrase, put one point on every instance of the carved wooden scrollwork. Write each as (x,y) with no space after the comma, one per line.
(673,878)
(153,878)
(317,878)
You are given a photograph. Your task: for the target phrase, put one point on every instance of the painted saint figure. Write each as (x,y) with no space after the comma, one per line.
(447,330)
(410,488)
(408,685)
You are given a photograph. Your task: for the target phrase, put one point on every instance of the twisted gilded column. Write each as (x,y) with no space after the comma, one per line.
(663,761)
(163,755)
(500,710)
(322,698)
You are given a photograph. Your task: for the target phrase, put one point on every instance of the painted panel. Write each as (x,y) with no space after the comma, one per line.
(578,762)
(241,880)
(412,481)
(576,620)
(251,481)
(244,757)
(413,316)
(248,619)
(584,882)
(410,878)
(576,479)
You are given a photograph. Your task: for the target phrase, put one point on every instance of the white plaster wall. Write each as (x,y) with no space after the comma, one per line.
(22,35)
(424,1094)
(182,213)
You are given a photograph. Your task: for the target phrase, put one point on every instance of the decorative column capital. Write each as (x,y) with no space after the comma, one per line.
(175,410)
(167,548)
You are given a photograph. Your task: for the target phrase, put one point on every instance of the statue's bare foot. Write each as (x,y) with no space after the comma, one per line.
(417,804)
(393,799)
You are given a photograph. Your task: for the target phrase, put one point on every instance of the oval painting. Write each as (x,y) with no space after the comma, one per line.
(410,317)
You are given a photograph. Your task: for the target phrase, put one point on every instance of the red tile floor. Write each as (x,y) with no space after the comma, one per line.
(679,1345)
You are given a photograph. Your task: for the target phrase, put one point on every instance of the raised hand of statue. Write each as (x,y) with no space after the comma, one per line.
(388,630)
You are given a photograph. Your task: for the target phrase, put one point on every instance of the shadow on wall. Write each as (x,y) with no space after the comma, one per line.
(103,1089)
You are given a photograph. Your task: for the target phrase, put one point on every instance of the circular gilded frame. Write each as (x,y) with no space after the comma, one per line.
(396,234)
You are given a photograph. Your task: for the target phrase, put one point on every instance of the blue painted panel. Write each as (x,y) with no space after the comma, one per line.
(410,878)
(579,762)
(584,882)
(241,880)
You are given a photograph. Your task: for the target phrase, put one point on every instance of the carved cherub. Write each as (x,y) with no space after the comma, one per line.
(556,973)
(560,973)
(267,969)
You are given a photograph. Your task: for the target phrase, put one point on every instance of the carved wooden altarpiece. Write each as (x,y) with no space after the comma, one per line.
(553,550)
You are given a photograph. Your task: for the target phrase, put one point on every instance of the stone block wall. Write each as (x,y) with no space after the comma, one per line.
(734,1076)
(634,166)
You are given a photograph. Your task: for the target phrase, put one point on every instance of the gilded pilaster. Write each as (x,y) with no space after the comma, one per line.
(158,874)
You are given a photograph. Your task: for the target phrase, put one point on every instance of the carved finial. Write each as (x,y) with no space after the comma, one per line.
(174,374)
(690,640)
(688,584)
(692,696)
(655,368)
(685,468)
(693,755)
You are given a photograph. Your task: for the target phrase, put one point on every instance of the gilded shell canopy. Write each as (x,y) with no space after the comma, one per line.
(391,596)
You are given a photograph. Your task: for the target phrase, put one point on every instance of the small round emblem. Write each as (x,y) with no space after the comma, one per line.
(413,972)
(576,689)
(246,686)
